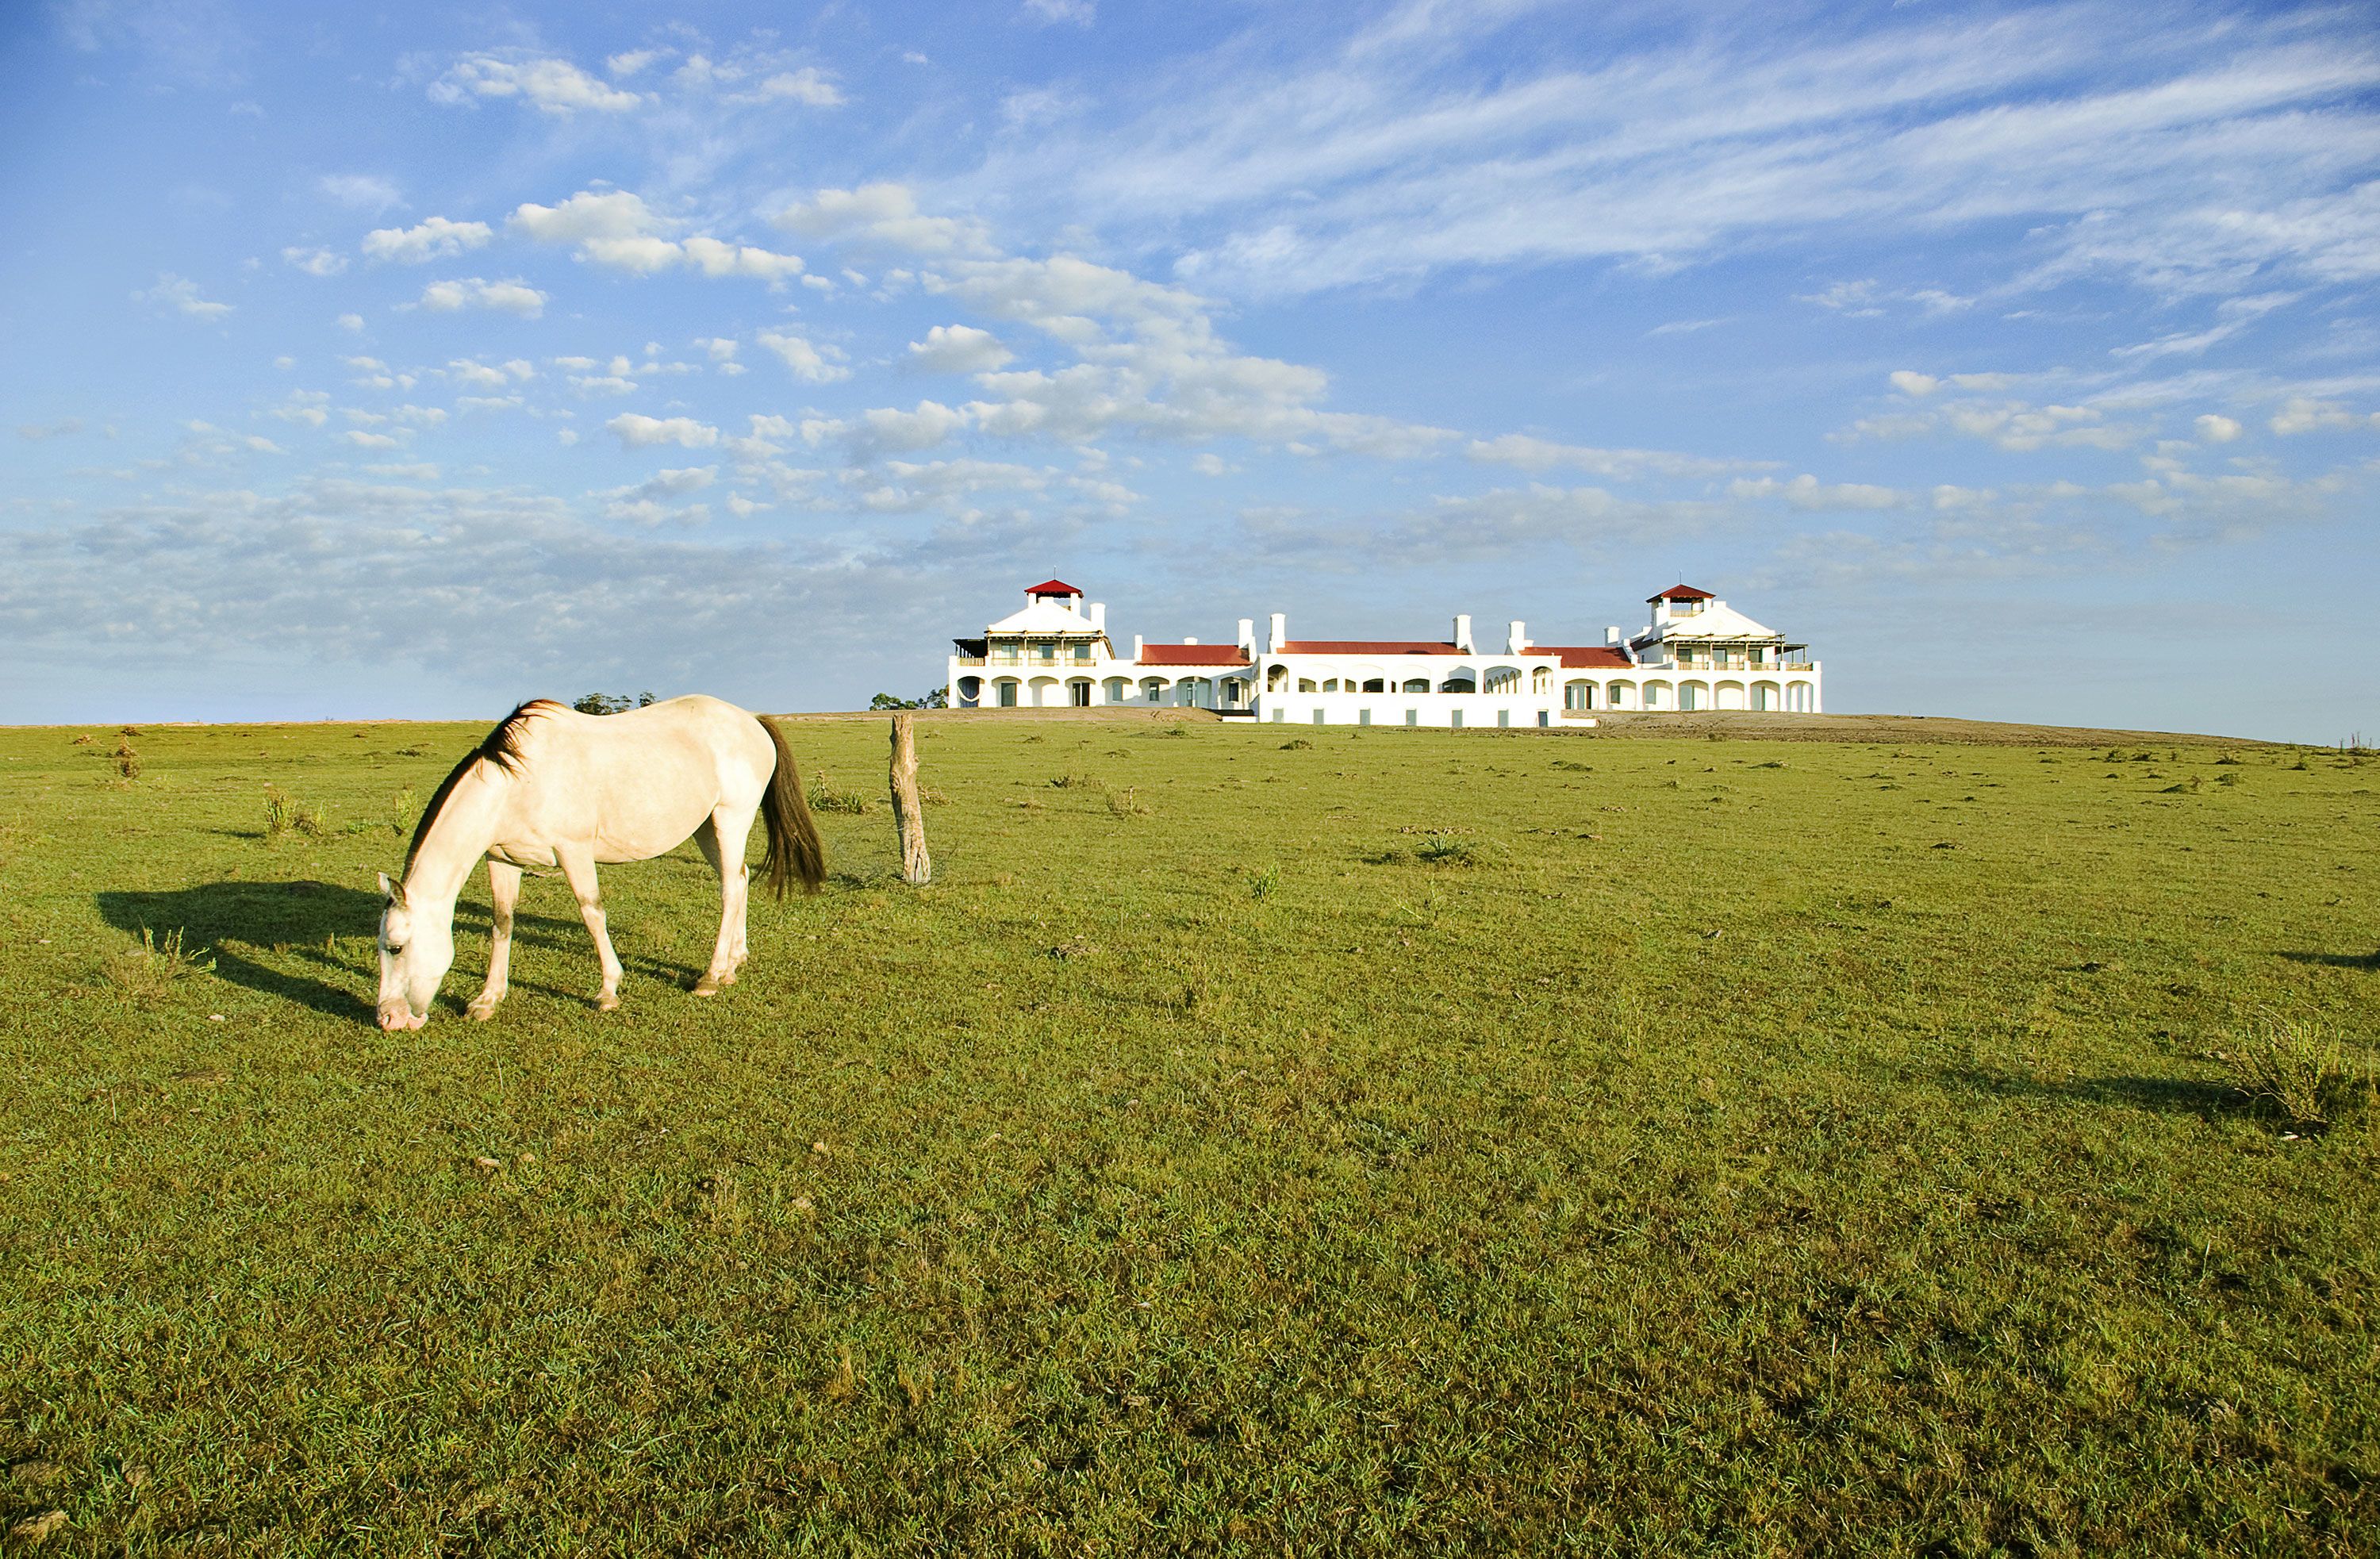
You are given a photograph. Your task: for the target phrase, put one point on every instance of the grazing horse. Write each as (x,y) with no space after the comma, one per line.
(553,787)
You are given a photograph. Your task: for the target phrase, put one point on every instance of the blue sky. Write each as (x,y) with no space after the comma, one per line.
(2024,359)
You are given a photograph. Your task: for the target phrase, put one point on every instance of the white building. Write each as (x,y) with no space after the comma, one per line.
(1696,653)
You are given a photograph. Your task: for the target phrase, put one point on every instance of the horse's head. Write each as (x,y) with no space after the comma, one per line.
(415,954)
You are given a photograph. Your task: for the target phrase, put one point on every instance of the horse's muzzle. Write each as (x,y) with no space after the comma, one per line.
(396,1017)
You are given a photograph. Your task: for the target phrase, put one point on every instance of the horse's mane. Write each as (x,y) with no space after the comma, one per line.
(499,747)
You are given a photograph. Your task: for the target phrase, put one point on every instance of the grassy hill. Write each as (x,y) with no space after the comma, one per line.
(1257,1138)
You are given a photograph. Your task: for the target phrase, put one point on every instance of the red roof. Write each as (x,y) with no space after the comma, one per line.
(1192,655)
(1683,592)
(1053,587)
(1596,655)
(1367,647)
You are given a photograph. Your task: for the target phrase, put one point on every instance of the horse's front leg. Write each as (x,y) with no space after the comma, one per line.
(578,869)
(503,891)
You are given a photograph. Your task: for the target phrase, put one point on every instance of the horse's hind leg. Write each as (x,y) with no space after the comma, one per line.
(723,845)
(503,891)
(578,869)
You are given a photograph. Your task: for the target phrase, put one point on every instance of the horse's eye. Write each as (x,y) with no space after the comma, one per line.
(394,951)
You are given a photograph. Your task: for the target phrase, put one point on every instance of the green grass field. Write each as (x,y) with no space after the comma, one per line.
(1397,1141)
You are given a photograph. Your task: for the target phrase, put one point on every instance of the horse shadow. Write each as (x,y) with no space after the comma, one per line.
(226,918)
(295,920)
(2173,1096)
(2337,960)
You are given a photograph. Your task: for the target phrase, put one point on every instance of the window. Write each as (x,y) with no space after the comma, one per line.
(1318,717)
(1457,721)
(1418,684)
(1305,684)
(1280,713)
(1048,650)
(1412,717)
(1008,695)
(1363,717)
(1083,650)
(1503,717)
(1330,684)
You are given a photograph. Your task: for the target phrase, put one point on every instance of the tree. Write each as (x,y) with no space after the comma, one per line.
(933,697)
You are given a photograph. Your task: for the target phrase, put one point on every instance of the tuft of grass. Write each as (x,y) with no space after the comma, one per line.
(150,972)
(1297,744)
(1124,802)
(128,761)
(2297,1067)
(403,808)
(1441,849)
(1261,884)
(826,797)
(284,813)
(1070,781)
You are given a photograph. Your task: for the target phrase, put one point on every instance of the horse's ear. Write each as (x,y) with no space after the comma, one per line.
(392,891)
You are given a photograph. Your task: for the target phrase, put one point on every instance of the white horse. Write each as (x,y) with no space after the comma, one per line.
(552,787)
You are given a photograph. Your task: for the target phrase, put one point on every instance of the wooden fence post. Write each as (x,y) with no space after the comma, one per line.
(908,812)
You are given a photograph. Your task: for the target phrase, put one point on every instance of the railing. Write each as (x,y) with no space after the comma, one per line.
(1722,665)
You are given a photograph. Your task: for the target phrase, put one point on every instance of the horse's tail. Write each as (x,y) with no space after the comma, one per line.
(794,850)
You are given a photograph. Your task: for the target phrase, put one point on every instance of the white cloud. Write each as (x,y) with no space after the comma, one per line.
(182,297)
(316,261)
(482,376)
(1807,492)
(629,63)
(882,216)
(37,432)
(639,432)
(351,322)
(619,231)
(807,85)
(1542,455)
(808,362)
(617,214)
(360,191)
(433,238)
(511,296)
(2302,414)
(1212,465)
(556,85)
(1911,384)
(1421,146)
(304,405)
(959,348)
(371,441)
(1049,13)
(714,258)
(2215,428)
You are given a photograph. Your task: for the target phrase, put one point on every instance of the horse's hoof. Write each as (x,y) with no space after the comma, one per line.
(607,1004)
(707,986)
(479,1011)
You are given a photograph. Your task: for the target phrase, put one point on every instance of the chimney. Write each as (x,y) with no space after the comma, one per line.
(1188,639)
(1248,637)
(1100,615)
(1462,631)
(1280,633)
(1135,646)
(1611,637)
(1515,638)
